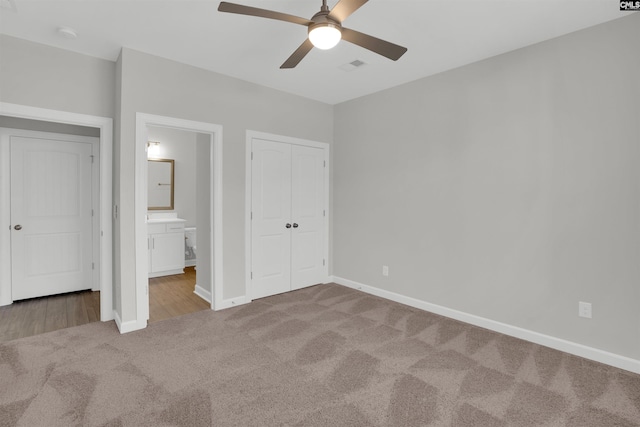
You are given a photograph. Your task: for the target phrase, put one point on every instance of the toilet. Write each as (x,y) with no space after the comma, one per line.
(189,246)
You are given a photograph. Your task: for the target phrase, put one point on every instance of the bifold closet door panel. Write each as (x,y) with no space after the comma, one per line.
(307,214)
(271,213)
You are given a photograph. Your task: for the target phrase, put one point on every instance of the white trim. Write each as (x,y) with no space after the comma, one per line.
(6,297)
(233,302)
(247,214)
(105,125)
(129,326)
(570,347)
(250,136)
(142,274)
(203,293)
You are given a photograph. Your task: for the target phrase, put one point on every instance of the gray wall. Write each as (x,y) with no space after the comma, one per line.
(507,189)
(155,85)
(47,77)
(180,146)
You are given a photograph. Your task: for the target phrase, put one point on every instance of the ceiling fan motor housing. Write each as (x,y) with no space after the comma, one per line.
(321,19)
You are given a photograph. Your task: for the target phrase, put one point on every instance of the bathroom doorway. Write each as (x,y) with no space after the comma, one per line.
(195,149)
(177,192)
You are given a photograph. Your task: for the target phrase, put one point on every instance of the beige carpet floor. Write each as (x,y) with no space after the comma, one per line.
(322,356)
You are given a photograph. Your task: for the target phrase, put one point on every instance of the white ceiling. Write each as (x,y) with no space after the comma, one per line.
(440,35)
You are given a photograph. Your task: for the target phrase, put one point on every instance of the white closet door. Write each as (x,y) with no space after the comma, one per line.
(271,212)
(51,244)
(307,213)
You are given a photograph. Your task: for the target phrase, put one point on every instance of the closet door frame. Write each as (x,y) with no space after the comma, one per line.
(250,136)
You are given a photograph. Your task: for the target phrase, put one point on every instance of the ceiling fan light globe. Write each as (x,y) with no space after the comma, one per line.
(325,36)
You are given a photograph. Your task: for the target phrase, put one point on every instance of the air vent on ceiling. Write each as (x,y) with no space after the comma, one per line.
(352,65)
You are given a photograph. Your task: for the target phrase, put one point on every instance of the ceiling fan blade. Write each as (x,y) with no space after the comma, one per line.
(381,47)
(262,13)
(297,56)
(344,8)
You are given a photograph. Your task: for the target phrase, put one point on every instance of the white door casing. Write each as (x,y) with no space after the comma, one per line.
(287,224)
(51,216)
(103,227)
(212,233)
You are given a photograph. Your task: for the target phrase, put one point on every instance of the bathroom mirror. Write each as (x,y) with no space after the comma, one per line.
(160,184)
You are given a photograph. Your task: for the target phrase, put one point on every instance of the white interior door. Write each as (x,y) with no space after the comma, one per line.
(288,217)
(271,213)
(51,239)
(307,214)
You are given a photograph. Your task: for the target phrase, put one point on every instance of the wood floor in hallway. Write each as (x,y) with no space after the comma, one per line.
(169,296)
(172,296)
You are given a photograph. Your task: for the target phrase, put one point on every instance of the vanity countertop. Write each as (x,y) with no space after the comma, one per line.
(164,220)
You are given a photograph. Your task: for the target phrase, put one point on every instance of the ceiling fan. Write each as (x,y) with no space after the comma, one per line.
(325,29)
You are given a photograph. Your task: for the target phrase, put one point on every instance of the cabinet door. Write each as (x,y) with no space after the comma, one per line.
(167,252)
(307,214)
(271,212)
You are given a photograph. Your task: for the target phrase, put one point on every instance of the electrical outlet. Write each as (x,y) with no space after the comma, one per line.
(385,270)
(584,309)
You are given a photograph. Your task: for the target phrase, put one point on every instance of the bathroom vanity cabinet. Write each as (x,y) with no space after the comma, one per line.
(166,247)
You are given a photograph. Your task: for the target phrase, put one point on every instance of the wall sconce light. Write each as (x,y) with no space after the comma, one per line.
(153,150)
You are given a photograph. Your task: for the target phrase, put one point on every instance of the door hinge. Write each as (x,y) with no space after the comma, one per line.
(324,212)
(324,163)
(251,215)
(91,157)
(93,266)
(252,275)
(252,155)
(323,262)
(91,212)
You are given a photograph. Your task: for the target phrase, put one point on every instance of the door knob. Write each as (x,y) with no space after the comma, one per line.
(295,225)
(288,225)
(18,227)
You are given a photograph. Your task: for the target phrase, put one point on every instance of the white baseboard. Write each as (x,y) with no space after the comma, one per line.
(581,350)
(203,293)
(129,326)
(231,302)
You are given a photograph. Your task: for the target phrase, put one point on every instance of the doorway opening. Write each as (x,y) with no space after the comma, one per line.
(39,119)
(178,193)
(207,212)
